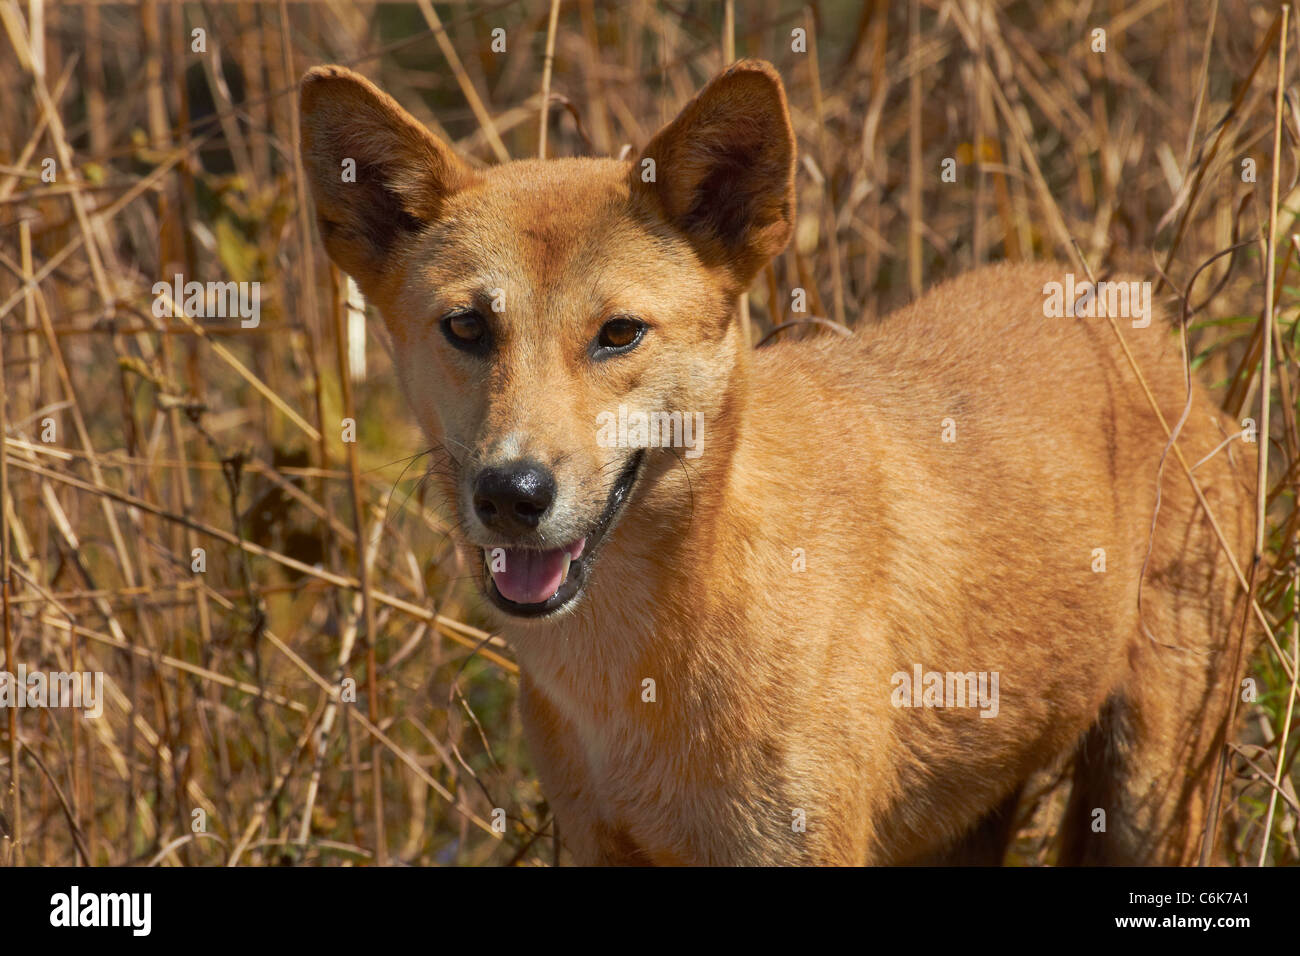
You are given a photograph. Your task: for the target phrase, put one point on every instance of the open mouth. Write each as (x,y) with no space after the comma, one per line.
(530,582)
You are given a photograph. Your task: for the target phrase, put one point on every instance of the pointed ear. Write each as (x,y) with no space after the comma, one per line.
(723,170)
(396,182)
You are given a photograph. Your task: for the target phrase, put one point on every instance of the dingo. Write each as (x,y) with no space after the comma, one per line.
(707,644)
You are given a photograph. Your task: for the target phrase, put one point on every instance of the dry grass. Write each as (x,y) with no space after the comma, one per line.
(324,560)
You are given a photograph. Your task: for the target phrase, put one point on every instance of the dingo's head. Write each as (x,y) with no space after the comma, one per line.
(537,306)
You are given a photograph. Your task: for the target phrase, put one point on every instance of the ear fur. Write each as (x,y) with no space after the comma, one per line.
(724,170)
(403,172)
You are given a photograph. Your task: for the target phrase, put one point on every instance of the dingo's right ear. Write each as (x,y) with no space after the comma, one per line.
(375,172)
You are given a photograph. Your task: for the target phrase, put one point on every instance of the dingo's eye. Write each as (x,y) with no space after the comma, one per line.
(620,334)
(465,329)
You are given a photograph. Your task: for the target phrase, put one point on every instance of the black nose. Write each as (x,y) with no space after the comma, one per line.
(513,498)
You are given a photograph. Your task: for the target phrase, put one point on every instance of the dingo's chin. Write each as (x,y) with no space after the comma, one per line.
(533,582)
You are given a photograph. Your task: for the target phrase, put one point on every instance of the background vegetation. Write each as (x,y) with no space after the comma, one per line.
(325,560)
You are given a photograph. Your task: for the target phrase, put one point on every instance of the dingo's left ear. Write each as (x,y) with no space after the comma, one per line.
(376,173)
(723,170)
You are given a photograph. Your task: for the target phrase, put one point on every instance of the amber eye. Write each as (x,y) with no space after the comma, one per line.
(465,329)
(620,334)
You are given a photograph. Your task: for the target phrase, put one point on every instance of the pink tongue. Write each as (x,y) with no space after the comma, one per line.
(531,577)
